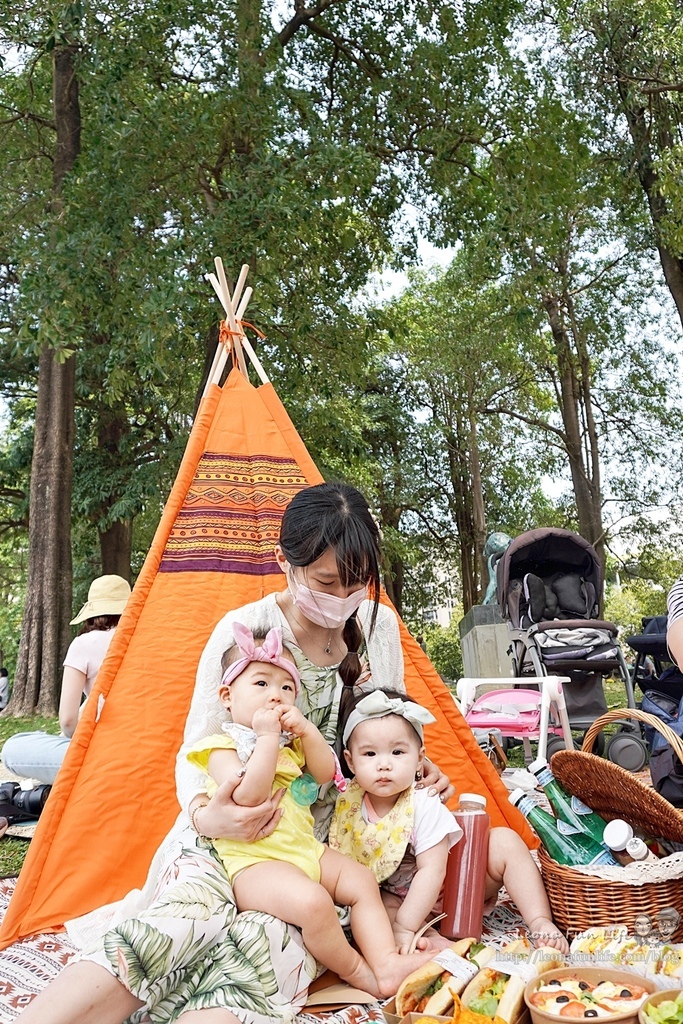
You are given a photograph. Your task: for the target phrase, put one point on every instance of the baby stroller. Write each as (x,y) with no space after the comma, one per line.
(548,584)
(653,668)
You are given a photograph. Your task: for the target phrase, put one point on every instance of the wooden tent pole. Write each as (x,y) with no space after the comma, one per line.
(230,312)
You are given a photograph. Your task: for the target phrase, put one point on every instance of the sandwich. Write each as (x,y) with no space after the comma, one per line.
(497,991)
(669,962)
(433,987)
(595,941)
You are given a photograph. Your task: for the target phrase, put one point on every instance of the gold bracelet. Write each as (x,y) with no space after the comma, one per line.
(192,819)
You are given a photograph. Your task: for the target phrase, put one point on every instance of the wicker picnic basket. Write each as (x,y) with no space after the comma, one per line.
(581,901)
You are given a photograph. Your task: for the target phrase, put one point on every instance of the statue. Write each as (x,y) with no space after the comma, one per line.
(496,543)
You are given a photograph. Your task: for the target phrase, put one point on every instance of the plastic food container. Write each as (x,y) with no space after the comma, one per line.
(593,975)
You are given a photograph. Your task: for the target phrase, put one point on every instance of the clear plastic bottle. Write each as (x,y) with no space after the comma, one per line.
(578,848)
(464,890)
(571,813)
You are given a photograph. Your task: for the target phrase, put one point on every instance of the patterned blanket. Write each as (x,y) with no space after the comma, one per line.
(28,966)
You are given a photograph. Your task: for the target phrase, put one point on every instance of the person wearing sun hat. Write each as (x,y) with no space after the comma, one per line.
(38,755)
(108,595)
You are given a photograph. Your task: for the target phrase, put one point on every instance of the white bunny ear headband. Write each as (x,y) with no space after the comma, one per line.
(378,705)
(270,651)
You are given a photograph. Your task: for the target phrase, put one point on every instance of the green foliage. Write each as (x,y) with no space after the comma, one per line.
(444,649)
(637,585)
(297,146)
(627,605)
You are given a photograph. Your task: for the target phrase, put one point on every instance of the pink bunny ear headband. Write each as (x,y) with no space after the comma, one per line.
(270,651)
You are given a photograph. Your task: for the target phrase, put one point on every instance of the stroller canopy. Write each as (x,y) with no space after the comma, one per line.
(543,552)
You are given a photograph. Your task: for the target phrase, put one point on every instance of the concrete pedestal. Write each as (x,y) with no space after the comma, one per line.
(484,639)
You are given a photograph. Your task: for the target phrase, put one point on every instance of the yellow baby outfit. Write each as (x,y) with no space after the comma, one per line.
(293,840)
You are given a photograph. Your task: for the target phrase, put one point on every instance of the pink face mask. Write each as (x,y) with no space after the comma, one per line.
(325,609)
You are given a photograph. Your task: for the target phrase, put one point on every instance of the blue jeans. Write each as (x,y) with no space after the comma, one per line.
(35,755)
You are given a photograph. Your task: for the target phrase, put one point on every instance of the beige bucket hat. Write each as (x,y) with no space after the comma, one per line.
(107,596)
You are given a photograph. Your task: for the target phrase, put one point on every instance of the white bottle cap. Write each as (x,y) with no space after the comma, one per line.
(516,795)
(537,765)
(637,849)
(472,798)
(617,834)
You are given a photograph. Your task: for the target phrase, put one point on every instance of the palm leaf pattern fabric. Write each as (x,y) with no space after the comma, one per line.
(191,950)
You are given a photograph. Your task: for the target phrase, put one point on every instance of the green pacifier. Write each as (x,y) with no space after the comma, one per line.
(304,790)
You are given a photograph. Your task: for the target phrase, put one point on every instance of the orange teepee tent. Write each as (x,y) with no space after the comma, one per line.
(114,799)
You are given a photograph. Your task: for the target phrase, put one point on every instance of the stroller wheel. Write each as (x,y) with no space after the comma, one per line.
(598,744)
(555,743)
(628,751)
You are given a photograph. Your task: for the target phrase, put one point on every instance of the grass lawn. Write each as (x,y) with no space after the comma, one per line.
(13,851)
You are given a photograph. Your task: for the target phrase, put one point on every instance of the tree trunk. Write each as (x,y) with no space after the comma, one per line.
(116,546)
(585,479)
(116,540)
(45,626)
(640,122)
(394,567)
(460,497)
(478,510)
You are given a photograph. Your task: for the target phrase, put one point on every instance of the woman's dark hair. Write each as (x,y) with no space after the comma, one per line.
(351,696)
(334,515)
(103,622)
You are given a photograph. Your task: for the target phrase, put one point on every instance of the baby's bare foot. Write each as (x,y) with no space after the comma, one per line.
(545,932)
(431,939)
(396,969)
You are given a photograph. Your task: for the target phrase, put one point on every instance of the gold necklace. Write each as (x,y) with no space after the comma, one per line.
(327,648)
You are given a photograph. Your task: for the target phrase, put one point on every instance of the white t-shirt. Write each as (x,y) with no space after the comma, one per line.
(86,653)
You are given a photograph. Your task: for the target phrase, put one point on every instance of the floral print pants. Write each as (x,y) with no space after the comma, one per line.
(190,949)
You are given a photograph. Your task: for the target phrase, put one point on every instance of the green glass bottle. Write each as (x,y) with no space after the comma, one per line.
(571,813)
(578,848)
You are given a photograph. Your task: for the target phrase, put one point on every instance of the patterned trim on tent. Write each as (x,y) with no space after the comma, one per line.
(230,519)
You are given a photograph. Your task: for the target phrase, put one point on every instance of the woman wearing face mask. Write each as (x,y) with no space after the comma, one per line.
(202,960)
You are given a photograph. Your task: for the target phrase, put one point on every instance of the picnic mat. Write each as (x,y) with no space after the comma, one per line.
(28,966)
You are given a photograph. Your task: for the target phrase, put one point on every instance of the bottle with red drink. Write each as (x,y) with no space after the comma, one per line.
(463,900)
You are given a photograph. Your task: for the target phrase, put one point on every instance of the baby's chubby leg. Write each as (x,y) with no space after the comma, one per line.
(286,892)
(431,939)
(350,884)
(510,864)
